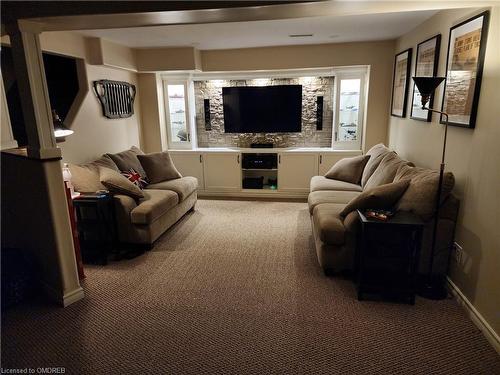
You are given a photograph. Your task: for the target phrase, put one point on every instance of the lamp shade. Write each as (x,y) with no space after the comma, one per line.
(60,130)
(427,85)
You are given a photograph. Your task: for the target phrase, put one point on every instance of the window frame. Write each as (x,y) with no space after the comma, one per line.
(362,75)
(172,144)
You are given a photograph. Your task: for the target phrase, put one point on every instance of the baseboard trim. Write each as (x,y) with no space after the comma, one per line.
(66,299)
(257,194)
(475,316)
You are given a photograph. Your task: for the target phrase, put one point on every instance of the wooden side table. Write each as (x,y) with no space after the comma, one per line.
(387,256)
(96,226)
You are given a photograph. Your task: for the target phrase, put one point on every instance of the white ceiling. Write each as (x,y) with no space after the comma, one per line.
(328,29)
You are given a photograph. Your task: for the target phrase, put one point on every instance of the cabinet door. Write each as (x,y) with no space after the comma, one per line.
(222,170)
(190,164)
(295,171)
(327,160)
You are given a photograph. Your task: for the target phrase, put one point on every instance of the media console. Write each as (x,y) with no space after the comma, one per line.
(259,170)
(256,172)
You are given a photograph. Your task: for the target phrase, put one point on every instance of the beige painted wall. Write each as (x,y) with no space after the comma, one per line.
(175,58)
(473,155)
(152,112)
(96,134)
(379,55)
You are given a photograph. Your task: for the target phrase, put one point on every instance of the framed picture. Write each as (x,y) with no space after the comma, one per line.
(425,66)
(464,70)
(400,82)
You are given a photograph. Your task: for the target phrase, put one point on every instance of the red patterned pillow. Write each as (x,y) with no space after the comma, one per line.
(135,178)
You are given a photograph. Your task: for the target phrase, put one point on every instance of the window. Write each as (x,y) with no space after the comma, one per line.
(177,114)
(350,95)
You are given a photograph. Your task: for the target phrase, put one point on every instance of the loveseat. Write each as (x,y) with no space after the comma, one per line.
(335,231)
(141,214)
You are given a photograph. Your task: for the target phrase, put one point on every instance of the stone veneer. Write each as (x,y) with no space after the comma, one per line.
(308,137)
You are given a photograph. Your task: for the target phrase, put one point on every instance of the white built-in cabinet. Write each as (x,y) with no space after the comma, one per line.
(295,170)
(222,171)
(190,164)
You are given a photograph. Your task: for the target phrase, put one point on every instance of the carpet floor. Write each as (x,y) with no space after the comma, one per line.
(235,288)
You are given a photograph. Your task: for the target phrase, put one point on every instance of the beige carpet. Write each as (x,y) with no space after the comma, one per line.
(234,288)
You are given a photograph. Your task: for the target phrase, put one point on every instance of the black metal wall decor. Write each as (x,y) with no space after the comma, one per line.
(117,98)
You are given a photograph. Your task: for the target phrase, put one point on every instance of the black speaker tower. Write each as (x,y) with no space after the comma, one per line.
(206,106)
(319,113)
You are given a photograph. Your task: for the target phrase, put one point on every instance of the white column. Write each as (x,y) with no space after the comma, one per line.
(30,73)
(56,243)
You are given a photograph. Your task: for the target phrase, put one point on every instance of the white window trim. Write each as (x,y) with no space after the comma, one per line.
(362,74)
(172,144)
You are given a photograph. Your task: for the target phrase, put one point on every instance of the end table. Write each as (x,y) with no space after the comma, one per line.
(96,226)
(387,255)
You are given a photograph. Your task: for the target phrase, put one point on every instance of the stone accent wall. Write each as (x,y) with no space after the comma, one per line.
(309,137)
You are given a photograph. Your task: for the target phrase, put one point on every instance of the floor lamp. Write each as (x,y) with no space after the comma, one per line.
(432,288)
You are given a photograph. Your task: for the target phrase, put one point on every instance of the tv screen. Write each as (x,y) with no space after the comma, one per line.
(268,109)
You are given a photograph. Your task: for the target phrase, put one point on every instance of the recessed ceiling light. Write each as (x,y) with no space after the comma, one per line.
(300,35)
(333,36)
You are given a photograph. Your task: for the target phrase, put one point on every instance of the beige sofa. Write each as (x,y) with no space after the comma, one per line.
(139,221)
(335,235)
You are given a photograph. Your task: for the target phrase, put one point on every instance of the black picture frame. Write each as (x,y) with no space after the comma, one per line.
(415,99)
(401,97)
(453,79)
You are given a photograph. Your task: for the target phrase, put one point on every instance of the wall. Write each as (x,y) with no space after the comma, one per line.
(94,133)
(308,137)
(379,55)
(153,119)
(473,156)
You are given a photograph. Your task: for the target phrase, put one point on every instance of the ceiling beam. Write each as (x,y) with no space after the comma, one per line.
(240,14)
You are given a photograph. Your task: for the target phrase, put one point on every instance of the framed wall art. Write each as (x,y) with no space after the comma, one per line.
(426,65)
(402,63)
(464,70)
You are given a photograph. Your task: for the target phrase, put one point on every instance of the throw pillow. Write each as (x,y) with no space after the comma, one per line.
(376,154)
(420,197)
(386,170)
(348,169)
(85,177)
(126,160)
(135,178)
(118,184)
(383,196)
(159,167)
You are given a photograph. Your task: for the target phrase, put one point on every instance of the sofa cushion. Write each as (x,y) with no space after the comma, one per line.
(154,204)
(348,169)
(85,177)
(116,183)
(319,183)
(383,196)
(127,160)
(183,186)
(159,167)
(386,171)
(319,197)
(376,154)
(420,197)
(328,223)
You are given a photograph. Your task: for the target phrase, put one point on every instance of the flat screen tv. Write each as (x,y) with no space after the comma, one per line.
(262,109)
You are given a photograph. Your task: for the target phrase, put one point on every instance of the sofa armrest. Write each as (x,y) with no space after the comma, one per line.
(123,206)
